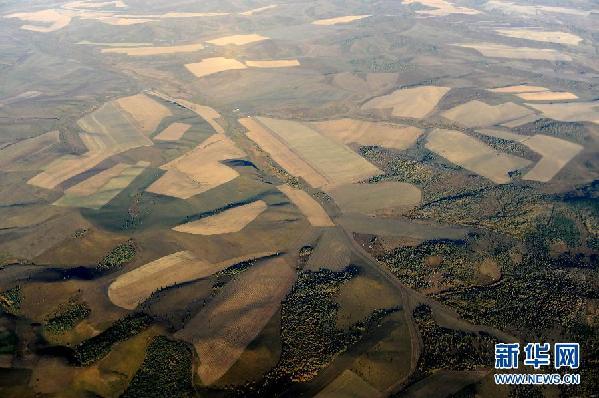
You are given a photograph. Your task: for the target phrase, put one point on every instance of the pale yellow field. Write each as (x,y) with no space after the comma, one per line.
(349,131)
(173,132)
(100,189)
(238,40)
(95,182)
(280,153)
(116,21)
(228,221)
(339,20)
(530,10)
(541,35)
(210,66)
(257,10)
(441,8)
(48,20)
(411,102)
(205,112)
(107,132)
(570,112)
(348,385)
(547,96)
(25,148)
(149,51)
(222,330)
(308,206)
(474,155)
(146,112)
(334,161)
(199,170)
(477,114)
(384,197)
(132,288)
(556,154)
(522,88)
(502,51)
(284,63)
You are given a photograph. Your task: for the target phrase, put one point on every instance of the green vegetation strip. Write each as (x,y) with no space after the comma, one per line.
(119,256)
(98,346)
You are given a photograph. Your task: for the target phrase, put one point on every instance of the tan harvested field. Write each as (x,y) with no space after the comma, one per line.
(258,10)
(228,221)
(522,88)
(474,155)
(116,21)
(284,63)
(30,147)
(441,8)
(336,162)
(199,170)
(205,112)
(133,287)
(502,51)
(210,66)
(308,206)
(339,20)
(222,330)
(173,132)
(373,83)
(46,20)
(149,51)
(349,131)
(146,112)
(411,102)
(349,385)
(478,114)
(280,153)
(548,96)
(107,132)
(238,40)
(332,252)
(523,120)
(383,197)
(100,189)
(556,154)
(542,35)
(570,112)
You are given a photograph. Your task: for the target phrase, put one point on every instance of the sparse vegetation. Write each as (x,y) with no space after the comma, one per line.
(67,317)
(10,300)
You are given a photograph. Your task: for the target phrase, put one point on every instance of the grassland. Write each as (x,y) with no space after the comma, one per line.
(384,197)
(147,51)
(331,252)
(348,384)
